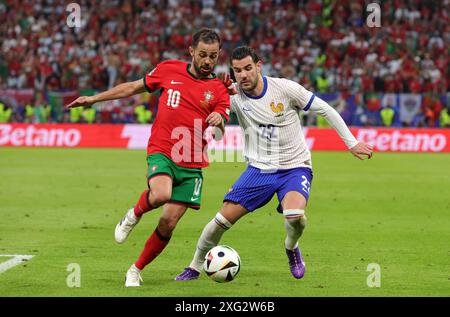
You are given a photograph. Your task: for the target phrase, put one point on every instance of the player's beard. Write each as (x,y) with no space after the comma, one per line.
(202,72)
(253,86)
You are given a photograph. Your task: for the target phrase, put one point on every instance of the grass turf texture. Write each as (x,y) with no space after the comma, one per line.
(61,205)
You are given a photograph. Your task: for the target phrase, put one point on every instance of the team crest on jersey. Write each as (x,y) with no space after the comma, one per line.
(278,108)
(209,96)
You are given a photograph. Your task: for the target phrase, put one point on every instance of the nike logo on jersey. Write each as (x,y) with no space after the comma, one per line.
(194,198)
(245,108)
(176,82)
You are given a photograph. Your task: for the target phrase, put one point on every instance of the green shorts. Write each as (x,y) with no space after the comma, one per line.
(187,182)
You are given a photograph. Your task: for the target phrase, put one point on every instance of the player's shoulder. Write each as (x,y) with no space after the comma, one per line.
(217,83)
(167,66)
(173,63)
(277,86)
(280,81)
(288,86)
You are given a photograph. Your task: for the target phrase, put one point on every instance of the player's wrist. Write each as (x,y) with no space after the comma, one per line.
(91,99)
(352,144)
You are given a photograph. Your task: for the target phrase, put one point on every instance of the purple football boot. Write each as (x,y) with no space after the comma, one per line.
(296,263)
(188,274)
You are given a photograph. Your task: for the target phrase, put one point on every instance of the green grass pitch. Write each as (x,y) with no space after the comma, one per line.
(61,205)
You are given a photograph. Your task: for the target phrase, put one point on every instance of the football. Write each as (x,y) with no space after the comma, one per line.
(222,263)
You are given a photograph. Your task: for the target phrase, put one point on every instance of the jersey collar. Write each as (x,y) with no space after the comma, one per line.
(195,77)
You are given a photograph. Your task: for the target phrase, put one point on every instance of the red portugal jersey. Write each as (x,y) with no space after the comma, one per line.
(184,104)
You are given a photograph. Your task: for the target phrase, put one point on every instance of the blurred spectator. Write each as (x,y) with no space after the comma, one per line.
(143,115)
(387,115)
(37,112)
(123,39)
(5,113)
(29,113)
(88,115)
(444,118)
(431,107)
(75,115)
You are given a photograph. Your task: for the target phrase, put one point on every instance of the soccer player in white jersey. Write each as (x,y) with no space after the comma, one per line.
(279,161)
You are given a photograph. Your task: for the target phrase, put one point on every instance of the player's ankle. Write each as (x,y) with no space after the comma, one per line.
(135,267)
(136,213)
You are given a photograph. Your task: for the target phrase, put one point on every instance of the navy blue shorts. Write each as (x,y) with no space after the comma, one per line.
(255,188)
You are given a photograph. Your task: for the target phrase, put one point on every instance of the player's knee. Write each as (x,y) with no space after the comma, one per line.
(232,211)
(159,197)
(295,218)
(222,222)
(298,224)
(303,221)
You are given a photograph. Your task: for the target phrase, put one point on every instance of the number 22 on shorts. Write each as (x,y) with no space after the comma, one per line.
(306,184)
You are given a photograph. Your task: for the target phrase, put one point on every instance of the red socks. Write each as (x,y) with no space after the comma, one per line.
(157,242)
(153,247)
(143,205)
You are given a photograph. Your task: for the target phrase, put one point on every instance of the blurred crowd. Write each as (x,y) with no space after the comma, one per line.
(325,45)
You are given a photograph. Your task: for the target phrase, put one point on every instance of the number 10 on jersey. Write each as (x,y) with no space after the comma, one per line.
(173,100)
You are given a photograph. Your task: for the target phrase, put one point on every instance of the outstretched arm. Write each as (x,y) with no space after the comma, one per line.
(120,91)
(358,149)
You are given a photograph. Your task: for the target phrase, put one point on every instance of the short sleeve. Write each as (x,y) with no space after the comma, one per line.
(153,80)
(299,96)
(223,104)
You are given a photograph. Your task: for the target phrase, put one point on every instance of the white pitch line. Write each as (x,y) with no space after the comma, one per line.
(16,260)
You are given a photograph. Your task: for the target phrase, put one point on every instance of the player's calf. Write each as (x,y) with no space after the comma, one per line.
(295,223)
(167,224)
(210,237)
(143,205)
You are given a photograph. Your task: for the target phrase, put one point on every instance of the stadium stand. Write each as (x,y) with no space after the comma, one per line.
(325,45)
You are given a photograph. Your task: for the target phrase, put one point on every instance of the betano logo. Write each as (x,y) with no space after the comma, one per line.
(31,136)
(404,142)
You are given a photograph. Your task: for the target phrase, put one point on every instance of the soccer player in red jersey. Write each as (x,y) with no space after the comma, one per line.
(192,99)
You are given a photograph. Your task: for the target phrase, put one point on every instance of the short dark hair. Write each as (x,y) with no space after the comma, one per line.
(244,51)
(207,36)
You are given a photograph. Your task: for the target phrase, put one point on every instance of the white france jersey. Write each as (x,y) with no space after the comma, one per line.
(273,137)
